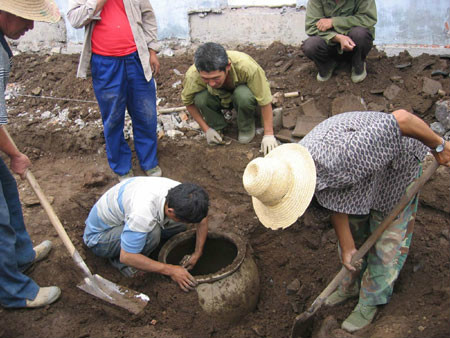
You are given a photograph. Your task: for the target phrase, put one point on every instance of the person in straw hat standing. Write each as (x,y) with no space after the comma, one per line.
(16,249)
(358,165)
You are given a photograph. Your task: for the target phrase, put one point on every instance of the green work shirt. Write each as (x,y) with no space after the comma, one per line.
(244,70)
(345,14)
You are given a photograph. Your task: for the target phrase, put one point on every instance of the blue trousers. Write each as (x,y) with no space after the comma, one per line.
(119,83)
(16,248)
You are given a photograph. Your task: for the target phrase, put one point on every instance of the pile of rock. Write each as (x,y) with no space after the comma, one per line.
(442,114)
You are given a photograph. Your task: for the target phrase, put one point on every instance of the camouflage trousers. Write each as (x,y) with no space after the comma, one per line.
(386,258)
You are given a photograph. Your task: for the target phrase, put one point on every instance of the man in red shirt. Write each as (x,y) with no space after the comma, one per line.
(120,46)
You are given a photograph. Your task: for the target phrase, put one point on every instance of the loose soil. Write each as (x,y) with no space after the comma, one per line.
(63,137)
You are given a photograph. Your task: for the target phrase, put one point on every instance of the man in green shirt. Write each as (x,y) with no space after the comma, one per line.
(222,79)
(339,29)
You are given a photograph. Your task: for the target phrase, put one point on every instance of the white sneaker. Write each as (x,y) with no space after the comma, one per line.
(42,250)
(45,296)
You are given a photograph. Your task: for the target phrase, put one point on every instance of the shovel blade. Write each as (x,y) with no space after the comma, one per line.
(115,294)
(303,325)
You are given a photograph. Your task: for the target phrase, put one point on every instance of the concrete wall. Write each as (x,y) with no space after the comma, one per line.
(413,23)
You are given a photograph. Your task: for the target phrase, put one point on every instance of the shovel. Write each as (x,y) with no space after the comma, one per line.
(95,285)
(303,322)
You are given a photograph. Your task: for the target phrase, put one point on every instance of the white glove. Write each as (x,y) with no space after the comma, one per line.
(268,143)
(213,137)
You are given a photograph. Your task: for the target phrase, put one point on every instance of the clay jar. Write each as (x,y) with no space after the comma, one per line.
(227,274)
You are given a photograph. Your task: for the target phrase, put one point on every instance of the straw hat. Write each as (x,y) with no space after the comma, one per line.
(37,10)
(281,184)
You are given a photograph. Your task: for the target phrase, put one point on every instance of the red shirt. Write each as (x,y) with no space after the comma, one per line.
(112,35)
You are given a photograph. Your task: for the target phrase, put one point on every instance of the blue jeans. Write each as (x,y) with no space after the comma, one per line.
(108,245)
(16,248)
(119,83)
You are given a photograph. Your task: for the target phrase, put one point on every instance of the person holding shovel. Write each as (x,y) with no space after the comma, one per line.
(221,79)
(358,165)
(129,220)
(17,254)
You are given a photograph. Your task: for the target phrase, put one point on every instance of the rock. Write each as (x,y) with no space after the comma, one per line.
(403,65)
(36,91)
(278,63)
(289,118)
(284,135)
(258,330)
(293,287)
(305,124)
(304,67)
(346,103)
(441,93)
(376,91)
(438,128)
(446,234)
(277,117)
(287,66)
(435,193)
(396,78)
(447,136)
(442,113)
(94,178)
(310,109)
(372,106)
(56,50)
(421,105)
(391,92)
(430,86)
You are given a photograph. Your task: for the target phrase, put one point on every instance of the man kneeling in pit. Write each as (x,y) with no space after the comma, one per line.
(129,220)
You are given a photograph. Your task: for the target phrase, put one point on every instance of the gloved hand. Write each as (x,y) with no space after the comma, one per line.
(268,143)
(213,137)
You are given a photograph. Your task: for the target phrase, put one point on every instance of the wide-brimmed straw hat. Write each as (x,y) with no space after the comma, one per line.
(36,10)
(281,184)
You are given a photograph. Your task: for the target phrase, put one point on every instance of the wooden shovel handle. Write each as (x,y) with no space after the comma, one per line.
(53,218)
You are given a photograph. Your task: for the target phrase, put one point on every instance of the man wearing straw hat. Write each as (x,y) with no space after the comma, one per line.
(16,249)
(358,165)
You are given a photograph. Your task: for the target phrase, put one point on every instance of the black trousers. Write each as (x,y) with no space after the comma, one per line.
(325,55)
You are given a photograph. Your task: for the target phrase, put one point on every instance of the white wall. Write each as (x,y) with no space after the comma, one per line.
(400,22)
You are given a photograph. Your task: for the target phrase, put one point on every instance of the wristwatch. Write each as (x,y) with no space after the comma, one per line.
(440,148)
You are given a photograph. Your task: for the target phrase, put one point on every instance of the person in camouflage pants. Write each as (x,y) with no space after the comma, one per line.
(384,261)
(365,161)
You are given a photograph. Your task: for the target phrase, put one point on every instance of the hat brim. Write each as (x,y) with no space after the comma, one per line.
(297,199)
(44,10)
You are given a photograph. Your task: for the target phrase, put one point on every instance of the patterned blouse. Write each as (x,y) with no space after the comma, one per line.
(362,161)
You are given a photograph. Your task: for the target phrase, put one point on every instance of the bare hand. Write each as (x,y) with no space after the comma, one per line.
(324,24)
(346,42)
(154,62)
(183,278)
(346,257)
(20,164)
(190,263)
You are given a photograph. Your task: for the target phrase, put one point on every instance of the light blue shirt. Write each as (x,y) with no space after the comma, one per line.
(137,204)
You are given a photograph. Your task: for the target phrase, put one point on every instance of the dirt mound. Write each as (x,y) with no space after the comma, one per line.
(57,124)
